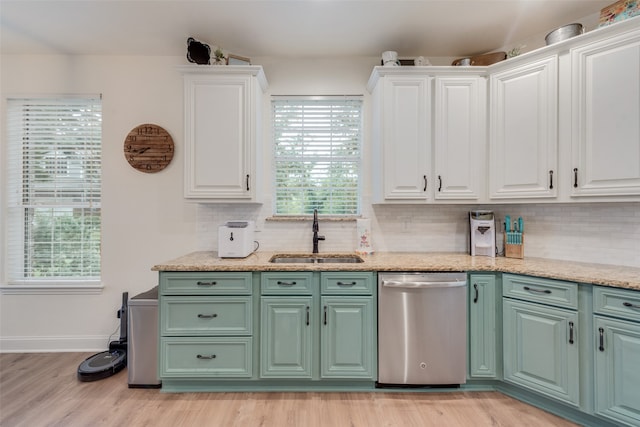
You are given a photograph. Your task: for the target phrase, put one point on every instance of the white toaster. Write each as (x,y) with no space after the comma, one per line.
(235,239)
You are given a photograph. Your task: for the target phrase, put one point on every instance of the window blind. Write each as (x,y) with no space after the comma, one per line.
(54,189)
(317,155)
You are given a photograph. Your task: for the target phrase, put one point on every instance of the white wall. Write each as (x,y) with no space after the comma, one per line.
(147,221)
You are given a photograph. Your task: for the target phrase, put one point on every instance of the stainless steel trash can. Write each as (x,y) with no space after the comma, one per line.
(142,347)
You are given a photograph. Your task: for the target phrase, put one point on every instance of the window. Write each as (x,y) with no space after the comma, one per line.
(317,155)
(54,180)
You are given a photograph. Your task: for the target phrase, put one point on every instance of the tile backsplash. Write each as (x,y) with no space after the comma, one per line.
(588,232)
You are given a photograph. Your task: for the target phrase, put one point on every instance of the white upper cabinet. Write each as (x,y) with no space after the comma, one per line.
(523,137)
(459,137)
(429,134)
(402,145)
(222,132)
(605,96)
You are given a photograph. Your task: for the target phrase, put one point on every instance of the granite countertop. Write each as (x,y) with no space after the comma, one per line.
(599,274)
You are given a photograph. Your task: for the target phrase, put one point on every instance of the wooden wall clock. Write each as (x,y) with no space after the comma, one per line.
(148,148)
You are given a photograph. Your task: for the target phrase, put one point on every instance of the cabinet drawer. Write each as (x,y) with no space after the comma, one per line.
(206,357)
(617,302)
(289,283)
(205,283)
(206,315)
(546,291)
(347,282)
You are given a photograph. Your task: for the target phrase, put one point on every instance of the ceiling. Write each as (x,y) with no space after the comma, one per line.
(285,28)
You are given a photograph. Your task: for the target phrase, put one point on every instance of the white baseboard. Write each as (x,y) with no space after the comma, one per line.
(79,344)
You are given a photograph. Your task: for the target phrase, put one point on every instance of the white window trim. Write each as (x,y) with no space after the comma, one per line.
(336,217)
(37,287)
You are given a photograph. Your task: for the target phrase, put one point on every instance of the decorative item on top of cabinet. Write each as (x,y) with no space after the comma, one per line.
(605,133)
(198,52)
(223,132)
(148,148)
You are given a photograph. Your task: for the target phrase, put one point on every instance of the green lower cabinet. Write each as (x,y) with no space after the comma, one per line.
(617,370)
(540,349)
(347,337)
(206,357)
(482,326)
(286,337)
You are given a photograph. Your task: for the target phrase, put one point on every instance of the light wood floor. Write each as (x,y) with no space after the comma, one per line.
(42,390)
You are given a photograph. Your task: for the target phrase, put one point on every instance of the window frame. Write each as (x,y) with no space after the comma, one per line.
(359,161)
(17,206)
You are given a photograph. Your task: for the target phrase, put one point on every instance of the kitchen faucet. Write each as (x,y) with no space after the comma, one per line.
(315,228)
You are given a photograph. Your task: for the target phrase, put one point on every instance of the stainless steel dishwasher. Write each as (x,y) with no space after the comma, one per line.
(422,329)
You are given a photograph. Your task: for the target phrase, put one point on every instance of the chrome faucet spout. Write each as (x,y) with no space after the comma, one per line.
(315,229)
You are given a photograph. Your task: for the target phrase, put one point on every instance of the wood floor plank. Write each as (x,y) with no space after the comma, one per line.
(42,390)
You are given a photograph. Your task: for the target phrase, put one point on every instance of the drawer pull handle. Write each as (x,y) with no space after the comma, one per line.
(570,332)
(286,283)
(601,332)
(542,291)
(550,180)
(207,283)
(475,298)
(307,315)
(440,183)
(346,284)
(325,314)
(628,304)
(424,177)
(207,316)
(203,357)
(575,177)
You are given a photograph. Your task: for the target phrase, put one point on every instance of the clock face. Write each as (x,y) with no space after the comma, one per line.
(148,148)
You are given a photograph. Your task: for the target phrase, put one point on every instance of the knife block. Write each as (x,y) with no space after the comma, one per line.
(514,250)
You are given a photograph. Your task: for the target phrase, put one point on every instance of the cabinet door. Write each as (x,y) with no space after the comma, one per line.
(541,349)
(459,137)
(524,131)
(286,337)
(348,337)
(405,137)
(218,132)
(617,377)
(482,326)
(606,117)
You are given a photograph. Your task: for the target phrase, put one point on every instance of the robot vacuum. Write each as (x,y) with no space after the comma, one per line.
(112,361)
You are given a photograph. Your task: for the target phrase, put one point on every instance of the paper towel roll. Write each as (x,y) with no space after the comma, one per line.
(363,232)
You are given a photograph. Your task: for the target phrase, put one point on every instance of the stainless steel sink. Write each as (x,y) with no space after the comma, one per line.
(315,259)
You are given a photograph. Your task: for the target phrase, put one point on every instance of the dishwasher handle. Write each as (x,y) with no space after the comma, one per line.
(429,284)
